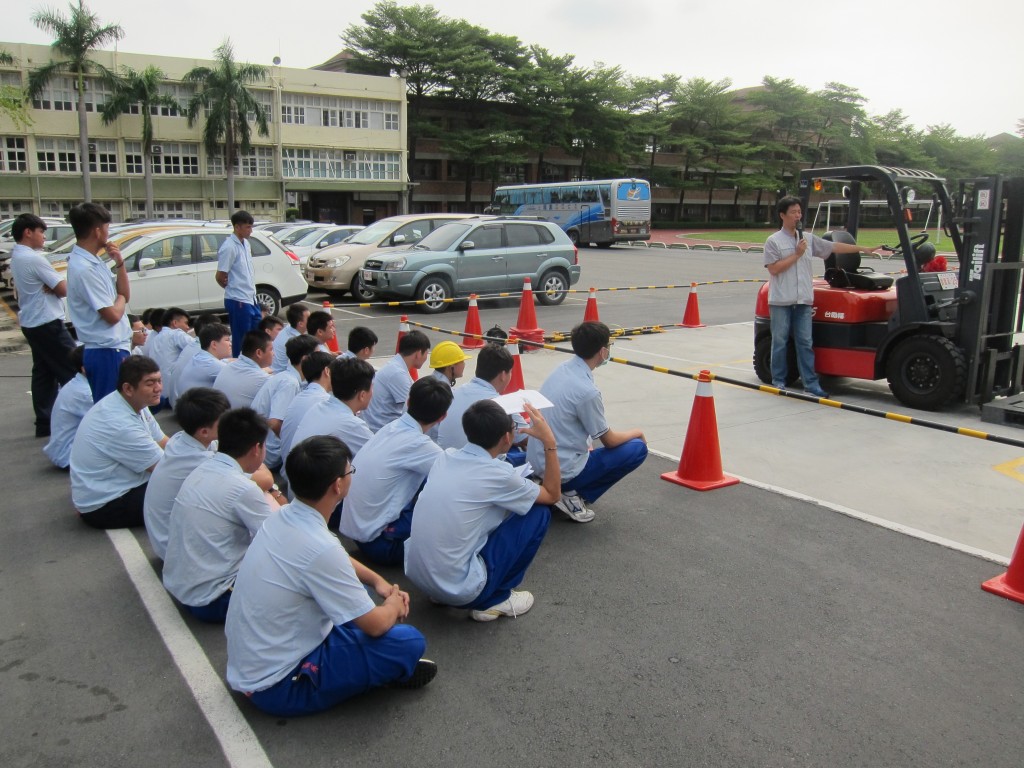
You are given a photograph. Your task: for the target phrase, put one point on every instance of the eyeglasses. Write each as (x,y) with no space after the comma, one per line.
(351,471)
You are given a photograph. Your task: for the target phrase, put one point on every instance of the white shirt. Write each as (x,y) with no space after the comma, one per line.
(450,434)
(186,355)
(240,380)
(234,257)
(200,371)
(32,271)
(182,454)
(272,402)
(333,417)
(391,388)
(73,401)
(312,394)
(280,354)
(796,284)
(91,287)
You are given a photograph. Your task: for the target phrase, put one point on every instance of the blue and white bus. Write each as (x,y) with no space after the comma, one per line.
(603,212)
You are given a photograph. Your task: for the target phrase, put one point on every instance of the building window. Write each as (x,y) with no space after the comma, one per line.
(103,156)
(14,159)
(266,100)
(133,157)
(333,112)
(57,155)
(11,208)
(186,209)
(293,108)
(258,163)
(305,163)
(61,95)
(174,159)
(180,92)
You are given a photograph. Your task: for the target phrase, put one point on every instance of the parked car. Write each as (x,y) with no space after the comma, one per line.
(483,256)
(56,231)
(275,227)
(337,269)
(311,242)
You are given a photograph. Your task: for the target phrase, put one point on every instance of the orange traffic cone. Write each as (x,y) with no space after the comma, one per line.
(1011,584)
(526,326)
(332,343)
(700,466)
(691,317)
(516,383)
(590,313)
(403,328)
(472,327)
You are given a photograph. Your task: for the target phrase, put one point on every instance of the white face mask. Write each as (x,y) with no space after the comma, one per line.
(607,357)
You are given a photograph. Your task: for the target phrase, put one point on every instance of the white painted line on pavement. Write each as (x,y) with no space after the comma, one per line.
(863,516)
(238,741)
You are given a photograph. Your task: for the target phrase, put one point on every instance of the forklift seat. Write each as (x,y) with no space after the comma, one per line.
(849,265)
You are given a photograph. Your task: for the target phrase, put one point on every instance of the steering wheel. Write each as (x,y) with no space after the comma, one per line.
(915,241)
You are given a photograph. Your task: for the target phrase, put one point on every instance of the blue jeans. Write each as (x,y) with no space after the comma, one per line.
(507,554)
(243,318)
(213,612)
(346,663)
(102,367)
(795,318)
(605,467)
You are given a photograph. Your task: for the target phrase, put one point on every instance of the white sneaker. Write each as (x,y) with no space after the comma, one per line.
(573,506)
(517,604)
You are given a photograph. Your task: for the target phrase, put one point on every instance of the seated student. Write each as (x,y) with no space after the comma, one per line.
(139,333)
(215,515)
(206,364)
(271,325)
(449,363)
(390,470)
(298,590)
(198,411)
(277,393)
(493,372)
(156,316)
(320,325)
(193,348)
(169,343)
(115,449)
(297,315)
(351,385)
(242,378)
(316,372)
(73,401)
(392,383)
(361,343)
(465,548)
(577,418)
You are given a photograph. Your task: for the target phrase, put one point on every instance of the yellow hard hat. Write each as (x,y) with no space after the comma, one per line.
(446,353)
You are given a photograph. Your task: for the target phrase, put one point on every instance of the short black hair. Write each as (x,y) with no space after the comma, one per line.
(298,347)
(429,399)
(588,338)
(133,319)
(270,321)
(86,216)
(172,314)
(318,321)
(314,464)
(254,341)
(156,318)
(360,338)
(413,341)
(200,407)
(492,361)
(785,203)
(314,363)
(205,319)
(76,357)
(242,217)
(295,314)
(485,423)
(26,222)
(134,369)
(350,376)
(212,332)
(239,430)
(147,316)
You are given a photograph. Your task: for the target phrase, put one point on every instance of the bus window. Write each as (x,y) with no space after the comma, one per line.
(571,195)
(547,196)
(588,195)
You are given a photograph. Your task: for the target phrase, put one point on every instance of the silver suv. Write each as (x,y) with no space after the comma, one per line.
(483,256)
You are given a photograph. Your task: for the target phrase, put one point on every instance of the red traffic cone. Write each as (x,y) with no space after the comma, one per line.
(516,383)
(526,326)
(473,327)
(1011,584)
(403,328)
(590,313)
(700,466)
(332,343)
(691,317)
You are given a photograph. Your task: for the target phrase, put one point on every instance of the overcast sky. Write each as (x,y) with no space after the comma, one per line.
(939,61)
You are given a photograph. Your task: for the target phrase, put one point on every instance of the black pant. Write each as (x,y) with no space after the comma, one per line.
(51,368)
(123,512)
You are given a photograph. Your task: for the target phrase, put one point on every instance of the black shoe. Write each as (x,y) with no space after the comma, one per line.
(425,671)
(42,431)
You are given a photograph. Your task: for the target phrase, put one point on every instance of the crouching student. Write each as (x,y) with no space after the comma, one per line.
(478,523)
(215,515)
(302,632)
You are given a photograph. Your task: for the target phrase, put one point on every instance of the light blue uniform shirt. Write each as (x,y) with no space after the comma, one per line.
(31,272)
(182,454)
(577,417)
(240,380)
(215,515)
(333,417)
(112,450)
(187,354)
(450,434)
(300,405)
(167,347)
(348,354)
(91,287)
(147,345)
(390,468)
(280,354)
(272,402)
(295,585)
(201,371)
(390,393)
(73,401)
(468,494)
(235,258)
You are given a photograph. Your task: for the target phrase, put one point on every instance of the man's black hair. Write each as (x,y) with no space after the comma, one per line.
(413,341)
(588,338)
(360,338)
(239,430)
(134,369)
(76,356)
(485,423)
(253,342)
(156,318)
(318,321)
(86,217)
(298,347)
(205,319)
(295,314)
(492,361)
(26,222)
(429,400)
(350,376)
(270,321)
(172,314)
(242,217)
(147,315)
(314,464)
(314,363)
(785,203)
(133,319)
(212,332)
(200,407)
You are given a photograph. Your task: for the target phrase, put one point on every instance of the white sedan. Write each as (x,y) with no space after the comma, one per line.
(312,241)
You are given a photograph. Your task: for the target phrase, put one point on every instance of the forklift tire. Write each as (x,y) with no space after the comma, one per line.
(763,361)
(926,371)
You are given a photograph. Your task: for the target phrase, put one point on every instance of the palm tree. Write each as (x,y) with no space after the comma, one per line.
(141,88)
(222,93)
(75,37)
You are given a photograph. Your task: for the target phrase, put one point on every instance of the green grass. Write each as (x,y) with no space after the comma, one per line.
(868,237)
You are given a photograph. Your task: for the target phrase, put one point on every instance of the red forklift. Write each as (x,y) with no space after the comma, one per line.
(937,337)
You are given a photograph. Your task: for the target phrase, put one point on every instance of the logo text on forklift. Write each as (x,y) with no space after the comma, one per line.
(831,314)
(977,260)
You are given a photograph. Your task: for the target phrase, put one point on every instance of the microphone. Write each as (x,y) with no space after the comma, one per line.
(799,232)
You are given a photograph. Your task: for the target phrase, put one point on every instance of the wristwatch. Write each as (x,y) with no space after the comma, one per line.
(275,491)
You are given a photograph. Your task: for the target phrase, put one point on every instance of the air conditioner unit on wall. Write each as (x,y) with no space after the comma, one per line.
(92,147)
(156,149)
(350,157)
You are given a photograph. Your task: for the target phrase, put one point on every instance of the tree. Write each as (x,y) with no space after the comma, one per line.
(222,93)
(75,38)
(650,104)
(12,100)
(841,131)
(954,156)
(143,89)
(896,142)
(543,101)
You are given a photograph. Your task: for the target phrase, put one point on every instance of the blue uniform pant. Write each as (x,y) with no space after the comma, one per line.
(605,467)
(242,318)
(348,662)
(508,552)
(389,547)
(101,369)
(214,612)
